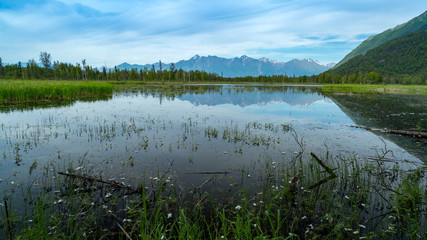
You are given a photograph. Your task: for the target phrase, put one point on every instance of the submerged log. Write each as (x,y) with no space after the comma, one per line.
(221,172)
(405,132)
(332,175)
(111,183)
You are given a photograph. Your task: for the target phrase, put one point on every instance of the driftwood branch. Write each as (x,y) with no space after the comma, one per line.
(112,183)
(332,175)
(123,230)
(223,172)
(321,182)
(199,188)
(328,169)
(405,132)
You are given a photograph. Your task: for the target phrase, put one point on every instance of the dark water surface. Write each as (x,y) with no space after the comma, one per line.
(194,130)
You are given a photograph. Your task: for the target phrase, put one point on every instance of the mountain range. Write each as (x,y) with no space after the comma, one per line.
(240,67)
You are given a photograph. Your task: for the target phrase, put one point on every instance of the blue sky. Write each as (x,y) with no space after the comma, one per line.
(116,31)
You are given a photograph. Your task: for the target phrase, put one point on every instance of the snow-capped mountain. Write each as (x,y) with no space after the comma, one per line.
(243,66)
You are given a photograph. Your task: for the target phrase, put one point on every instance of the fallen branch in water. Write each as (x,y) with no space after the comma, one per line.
(112,183)
(407,132)
(328,169)
(224,172)
(199,188)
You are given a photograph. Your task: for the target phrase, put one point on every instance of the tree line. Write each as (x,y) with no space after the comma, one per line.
(55,70)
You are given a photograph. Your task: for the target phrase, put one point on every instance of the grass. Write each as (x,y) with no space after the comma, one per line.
(358,88)
(41,90)
(31,90)
(367,200)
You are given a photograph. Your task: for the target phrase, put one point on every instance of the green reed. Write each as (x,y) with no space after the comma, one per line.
(22,91)
(368,199)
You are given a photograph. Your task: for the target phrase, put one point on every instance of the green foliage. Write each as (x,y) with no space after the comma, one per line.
(347,207)
(19,91)
(417,24)
(404,57)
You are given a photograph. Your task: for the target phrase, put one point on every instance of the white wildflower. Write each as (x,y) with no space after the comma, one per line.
(356,232)
(362,226)
(238,207)
(108,195)
(169,215)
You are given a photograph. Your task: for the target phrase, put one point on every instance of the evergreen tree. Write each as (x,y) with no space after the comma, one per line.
(46,60)
(1,68)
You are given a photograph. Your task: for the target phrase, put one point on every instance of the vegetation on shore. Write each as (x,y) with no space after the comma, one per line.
(327,198)
(360,88)
(82,71)
(41,90)
(21,91)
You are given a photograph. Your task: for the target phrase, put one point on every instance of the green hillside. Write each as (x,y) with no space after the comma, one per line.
(416,24)
(404,56)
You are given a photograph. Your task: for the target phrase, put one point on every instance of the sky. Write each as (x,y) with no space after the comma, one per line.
(110,32)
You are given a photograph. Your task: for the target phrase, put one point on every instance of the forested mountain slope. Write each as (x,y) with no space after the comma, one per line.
(416,24)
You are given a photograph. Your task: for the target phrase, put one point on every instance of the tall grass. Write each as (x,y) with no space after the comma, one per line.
(359,88)
(367,200)
(22,91)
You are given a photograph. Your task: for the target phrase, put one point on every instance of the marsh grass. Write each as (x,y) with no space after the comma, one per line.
(24,91)
(369,199)
(359,88)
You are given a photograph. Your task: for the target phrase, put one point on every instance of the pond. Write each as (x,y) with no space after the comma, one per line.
(194,131)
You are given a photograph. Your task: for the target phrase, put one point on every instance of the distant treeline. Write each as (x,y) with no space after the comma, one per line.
(81,71)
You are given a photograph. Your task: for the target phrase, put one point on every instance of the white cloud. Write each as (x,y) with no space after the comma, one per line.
(146,31)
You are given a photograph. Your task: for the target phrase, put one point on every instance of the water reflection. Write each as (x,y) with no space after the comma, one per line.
(243,96)
(200,128)
(388,111)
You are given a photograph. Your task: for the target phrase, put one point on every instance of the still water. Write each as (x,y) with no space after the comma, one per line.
(194,131)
